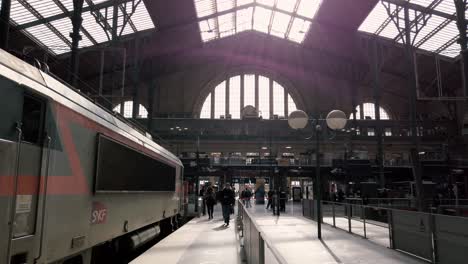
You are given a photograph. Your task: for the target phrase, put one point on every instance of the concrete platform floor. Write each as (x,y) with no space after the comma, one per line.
(295,237)
(200,241)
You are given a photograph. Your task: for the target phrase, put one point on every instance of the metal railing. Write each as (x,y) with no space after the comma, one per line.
(432,237)
(256,243)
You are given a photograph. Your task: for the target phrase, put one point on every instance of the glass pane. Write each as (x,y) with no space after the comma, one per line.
(291,105)
(220,100)
(234,97)
(280,24)
(206,109)
(262,19)
(278,100)
(264,96)
(128,109)
(249,90)
(143,113)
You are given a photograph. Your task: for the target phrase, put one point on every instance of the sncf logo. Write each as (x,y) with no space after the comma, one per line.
(99,213)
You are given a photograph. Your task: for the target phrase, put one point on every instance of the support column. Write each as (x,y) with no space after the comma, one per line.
(376,65)
(270,91)
(5,24)
(76,37)
(227,96)
(412,95)
(150,104)
(462,25)
(136,81)
(257,106)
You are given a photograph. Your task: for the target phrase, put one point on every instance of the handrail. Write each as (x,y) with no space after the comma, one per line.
(263,235)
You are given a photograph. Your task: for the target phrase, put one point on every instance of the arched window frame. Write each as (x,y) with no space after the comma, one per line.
(249,81)
(127,110)
(365,108)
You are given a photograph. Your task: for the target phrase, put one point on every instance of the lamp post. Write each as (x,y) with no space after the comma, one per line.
(336,120)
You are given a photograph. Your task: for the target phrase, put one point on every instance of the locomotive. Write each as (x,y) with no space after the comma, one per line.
(75,179)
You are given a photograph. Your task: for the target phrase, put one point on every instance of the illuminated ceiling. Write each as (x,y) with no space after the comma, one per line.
(48,22)
(287,19)
(434,20)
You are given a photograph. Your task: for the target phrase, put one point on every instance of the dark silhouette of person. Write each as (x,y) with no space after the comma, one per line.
(270,198)
(227,200)
(210,201)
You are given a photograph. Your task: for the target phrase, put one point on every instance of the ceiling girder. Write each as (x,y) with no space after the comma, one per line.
(88,8)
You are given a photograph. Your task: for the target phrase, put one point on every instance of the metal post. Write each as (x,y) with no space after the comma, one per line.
(151,104)
(197,176)
(333,212)
(460,6)
(350,207)
(261,249)
(101,72)
(412,94)
(5,24)
(76,37)
(376,84)
(318,130)
(363,216)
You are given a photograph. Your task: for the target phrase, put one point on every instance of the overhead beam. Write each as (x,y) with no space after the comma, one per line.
(88,8)
(421,9)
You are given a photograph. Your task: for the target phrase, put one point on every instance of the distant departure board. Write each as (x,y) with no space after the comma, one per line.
(124,169)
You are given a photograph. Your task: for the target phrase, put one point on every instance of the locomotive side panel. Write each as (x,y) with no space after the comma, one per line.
(77,218)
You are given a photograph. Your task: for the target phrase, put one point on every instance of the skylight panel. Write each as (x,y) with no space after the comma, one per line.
(96,31)
(269,3)
(244,2)
(286,5)
(280,24)
(226,25)
(45,8)
(442,37)
(452,51)
(308,8)
(223,5)
(141,18)
(47,38)
(19,14)
(205,7)
(273,17)
(375,19)
(436,33)
(299,29)
(262,18)
(244,19)
(207,29)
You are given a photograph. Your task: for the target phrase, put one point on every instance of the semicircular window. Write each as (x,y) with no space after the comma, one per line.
(367,111)
(228,98)
(127,110)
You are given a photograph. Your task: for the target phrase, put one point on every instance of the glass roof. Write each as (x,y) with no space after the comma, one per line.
(287,19)
(43,21)
(439,34)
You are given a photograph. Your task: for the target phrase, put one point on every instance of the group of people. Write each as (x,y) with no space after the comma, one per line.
(226,197)
(246,196)
(277,201)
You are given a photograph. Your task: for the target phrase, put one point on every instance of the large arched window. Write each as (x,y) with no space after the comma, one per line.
(233,94)
(127,110)
(367,111)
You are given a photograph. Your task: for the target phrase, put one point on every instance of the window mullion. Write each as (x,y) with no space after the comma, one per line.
(228,84)
(286,105)
(212,104)
(256,92)
(271,97)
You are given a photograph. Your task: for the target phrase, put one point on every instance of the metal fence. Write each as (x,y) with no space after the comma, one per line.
(257,246)
(432,237)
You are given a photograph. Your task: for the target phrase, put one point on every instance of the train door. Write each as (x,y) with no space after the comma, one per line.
(26,185)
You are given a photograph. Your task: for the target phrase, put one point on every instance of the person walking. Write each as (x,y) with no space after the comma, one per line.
(210,201)
(270,198)
(248,197)
(227,202)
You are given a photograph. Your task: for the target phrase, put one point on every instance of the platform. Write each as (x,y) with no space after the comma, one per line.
(203,241)
(295,238)
(198,241)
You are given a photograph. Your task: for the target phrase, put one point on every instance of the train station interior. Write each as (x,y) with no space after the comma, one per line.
(233,131)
